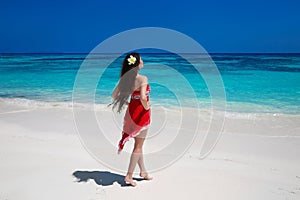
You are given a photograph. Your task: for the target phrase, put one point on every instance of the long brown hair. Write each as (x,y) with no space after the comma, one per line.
(126,83)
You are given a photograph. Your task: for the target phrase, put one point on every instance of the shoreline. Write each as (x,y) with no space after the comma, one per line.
(32,103)
(239,123)
(42,156)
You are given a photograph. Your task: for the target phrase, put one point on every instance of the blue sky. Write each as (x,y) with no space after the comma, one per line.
(219,26)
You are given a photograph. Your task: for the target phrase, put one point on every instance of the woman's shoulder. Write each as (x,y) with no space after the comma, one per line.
(142,79)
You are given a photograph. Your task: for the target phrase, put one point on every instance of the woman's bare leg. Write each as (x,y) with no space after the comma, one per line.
(143,171)
(136,153)
(137,157)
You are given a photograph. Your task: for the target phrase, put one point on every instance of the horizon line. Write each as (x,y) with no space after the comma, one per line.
(151,53)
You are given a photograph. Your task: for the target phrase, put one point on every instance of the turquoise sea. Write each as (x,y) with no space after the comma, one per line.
(253,83)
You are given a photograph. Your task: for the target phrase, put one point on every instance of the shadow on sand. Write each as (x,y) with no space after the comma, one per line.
(104,178)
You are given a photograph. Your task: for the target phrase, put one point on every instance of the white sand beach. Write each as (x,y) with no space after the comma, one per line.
(42,157)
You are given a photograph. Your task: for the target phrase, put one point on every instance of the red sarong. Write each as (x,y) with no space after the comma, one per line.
(136,118)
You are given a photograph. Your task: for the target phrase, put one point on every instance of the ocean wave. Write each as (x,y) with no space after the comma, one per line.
(34,103)
(31,103)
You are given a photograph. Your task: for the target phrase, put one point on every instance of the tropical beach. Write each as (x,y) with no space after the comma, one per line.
(44,156)
(214,86)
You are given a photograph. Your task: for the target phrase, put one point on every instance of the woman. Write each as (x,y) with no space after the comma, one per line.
(137,117)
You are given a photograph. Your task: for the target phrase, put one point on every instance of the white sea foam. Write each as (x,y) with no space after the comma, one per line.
(34,103)
(30,103)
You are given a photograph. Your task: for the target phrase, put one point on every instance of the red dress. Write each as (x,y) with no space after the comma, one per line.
(136,118)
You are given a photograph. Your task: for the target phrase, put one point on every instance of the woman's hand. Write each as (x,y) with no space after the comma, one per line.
(147,107)
(145,103)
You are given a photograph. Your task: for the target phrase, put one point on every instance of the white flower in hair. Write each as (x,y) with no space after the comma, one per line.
(131,60)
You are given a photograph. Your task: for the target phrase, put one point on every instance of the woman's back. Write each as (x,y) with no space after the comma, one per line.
(140,80)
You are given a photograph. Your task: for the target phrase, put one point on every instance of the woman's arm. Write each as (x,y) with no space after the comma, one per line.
(143,96)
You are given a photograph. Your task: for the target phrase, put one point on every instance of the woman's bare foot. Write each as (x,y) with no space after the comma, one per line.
(130,181)
(146,176)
